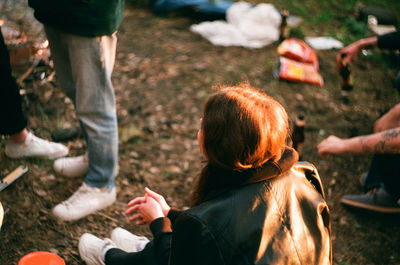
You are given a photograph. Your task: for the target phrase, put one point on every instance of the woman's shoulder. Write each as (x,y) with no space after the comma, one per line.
(306,173)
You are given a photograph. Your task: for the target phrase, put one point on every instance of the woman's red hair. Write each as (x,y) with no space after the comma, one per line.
(242,128)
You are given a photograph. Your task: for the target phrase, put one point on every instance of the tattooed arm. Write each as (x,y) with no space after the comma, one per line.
(387,142)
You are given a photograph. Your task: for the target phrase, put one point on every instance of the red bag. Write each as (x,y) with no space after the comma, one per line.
(299,71)
(298,50)
(298,62)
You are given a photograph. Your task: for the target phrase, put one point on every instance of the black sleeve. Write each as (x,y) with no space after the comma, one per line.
(192,243)
(161,229)
(389,41)
(173,214)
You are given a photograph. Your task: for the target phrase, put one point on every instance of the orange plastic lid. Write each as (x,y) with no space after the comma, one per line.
(41,258)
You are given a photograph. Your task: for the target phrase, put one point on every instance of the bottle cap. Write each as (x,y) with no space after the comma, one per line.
(300,120)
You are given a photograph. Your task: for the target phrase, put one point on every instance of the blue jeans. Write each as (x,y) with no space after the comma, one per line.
(83,66)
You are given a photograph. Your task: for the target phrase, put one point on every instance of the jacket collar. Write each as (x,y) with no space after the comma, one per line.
(274,168)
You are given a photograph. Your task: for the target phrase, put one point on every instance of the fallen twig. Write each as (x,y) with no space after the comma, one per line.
(108,217)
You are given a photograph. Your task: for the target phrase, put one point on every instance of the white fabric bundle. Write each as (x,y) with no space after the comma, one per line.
(247,25)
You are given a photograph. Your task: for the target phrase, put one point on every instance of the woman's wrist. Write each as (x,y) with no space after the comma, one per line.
(166,211)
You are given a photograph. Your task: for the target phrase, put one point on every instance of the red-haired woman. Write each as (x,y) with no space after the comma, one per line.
(253,202)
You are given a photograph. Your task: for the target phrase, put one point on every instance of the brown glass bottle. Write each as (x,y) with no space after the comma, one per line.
(284,30)
(298,132)
(346,80)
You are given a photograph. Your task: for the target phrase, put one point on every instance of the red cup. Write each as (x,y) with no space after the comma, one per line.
(41,258)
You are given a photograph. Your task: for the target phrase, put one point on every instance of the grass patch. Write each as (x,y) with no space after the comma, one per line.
(332,18)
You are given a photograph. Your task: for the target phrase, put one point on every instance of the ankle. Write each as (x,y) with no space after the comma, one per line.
(104,251)
(19,138)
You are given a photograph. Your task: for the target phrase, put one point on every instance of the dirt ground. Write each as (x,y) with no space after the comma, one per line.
(162,75)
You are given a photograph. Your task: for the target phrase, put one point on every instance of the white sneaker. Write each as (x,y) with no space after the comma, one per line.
(75,166)
(72,166)
(84,201)
(35,147)
(128,241)
(92,249)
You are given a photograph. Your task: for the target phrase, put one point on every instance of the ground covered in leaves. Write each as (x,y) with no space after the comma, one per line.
(162,75)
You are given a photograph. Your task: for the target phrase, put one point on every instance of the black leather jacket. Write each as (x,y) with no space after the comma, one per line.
(278,217)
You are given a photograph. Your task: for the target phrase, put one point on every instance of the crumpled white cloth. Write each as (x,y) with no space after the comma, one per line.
(246,25)
(323,43)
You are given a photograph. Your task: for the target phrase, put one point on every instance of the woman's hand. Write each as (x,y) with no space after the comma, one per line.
(160,199)
(148,210)
(331,146)
(133,207)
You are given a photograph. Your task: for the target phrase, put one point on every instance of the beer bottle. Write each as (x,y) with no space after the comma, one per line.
(284,30)
(298,132)
(346,81)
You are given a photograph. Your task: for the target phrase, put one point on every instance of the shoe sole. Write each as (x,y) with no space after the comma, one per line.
(54,156)
(81,174)
(369,207)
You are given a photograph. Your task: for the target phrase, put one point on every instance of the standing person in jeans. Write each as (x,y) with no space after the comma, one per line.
(382,181)
(21,142)
(82,37)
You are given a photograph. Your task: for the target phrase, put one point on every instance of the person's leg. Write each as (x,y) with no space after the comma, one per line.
(390,174)
(12,118)
(85,66)
(96,109)
(384,198)
(373,179)
(116,256)
(21,142)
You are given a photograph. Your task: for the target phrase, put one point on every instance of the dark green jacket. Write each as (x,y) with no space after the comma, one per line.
(82,17)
